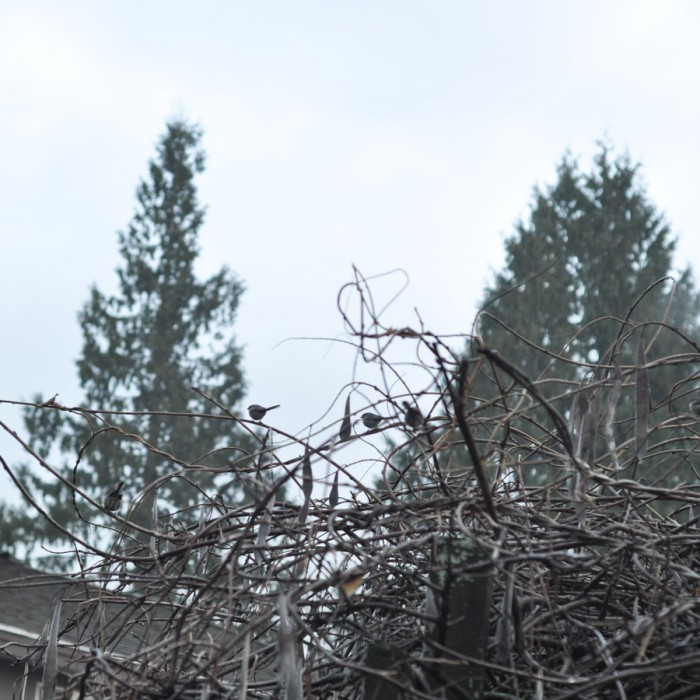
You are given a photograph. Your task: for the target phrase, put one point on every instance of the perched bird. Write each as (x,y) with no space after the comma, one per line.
(350,582)
(257,412)
(114,498)
(695,407)
(371,421)
(412,416)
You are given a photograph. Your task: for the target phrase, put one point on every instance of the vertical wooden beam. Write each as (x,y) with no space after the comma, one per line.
(463,602)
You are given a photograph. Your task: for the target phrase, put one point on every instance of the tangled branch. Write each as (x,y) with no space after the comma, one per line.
(500,545)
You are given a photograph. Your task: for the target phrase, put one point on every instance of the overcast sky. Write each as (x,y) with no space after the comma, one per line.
(384,134)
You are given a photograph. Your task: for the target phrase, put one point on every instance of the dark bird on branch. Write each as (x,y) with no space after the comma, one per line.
(412,416)
(371,421)
(114,498)
(257,412)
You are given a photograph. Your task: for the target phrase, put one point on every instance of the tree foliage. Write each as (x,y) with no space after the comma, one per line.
(593,259)
(592,246)
(145,348)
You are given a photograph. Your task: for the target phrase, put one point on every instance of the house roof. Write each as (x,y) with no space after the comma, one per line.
(28,596)
(90,616)
(132,630)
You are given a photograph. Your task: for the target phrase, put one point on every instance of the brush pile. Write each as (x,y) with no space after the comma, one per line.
(494,535)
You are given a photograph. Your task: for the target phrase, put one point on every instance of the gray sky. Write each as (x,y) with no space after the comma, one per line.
(393,134)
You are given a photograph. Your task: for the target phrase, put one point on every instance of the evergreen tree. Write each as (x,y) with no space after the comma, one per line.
(144,349)
(574,274)
(592,245)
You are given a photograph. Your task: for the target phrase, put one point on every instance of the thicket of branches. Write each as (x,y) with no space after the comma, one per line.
(448,575)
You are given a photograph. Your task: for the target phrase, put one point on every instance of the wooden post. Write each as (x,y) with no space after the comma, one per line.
(382,658)
(463,603)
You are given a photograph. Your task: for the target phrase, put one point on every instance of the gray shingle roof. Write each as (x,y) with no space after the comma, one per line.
(89,615)
(28,596)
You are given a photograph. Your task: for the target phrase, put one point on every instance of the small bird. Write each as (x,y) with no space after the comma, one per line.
(371,421)
(350,582)
(695,407)
(412,416)
(114,498)
(257,412)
